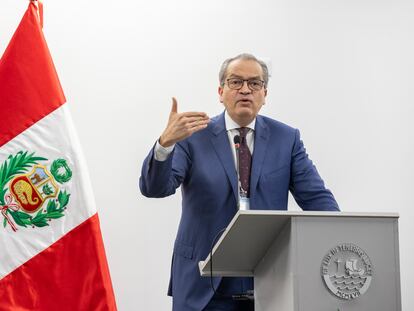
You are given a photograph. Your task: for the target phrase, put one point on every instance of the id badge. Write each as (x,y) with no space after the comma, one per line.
(244,203)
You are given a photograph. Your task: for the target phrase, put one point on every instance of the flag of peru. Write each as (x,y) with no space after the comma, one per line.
(51,251)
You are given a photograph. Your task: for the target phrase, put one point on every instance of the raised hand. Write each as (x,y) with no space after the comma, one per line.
(182,125)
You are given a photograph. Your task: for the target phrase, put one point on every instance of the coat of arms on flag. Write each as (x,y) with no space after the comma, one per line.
(23,195)
(52,255)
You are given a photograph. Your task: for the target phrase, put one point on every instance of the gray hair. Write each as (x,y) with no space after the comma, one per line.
(244,56)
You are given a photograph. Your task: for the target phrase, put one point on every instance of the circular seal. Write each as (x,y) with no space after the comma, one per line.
(347,271)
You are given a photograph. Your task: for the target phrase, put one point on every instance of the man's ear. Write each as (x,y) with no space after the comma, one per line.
(220,92)
(265,92)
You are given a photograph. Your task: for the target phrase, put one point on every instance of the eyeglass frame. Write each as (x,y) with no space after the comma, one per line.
(248,85)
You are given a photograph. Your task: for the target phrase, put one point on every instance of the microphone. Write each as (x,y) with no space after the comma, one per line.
(237,141)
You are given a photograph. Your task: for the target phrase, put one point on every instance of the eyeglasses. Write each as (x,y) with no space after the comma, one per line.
(237,84)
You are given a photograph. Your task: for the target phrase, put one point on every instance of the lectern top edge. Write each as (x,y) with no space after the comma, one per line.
(317,213)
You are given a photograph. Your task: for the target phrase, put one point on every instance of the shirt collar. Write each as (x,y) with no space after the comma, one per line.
(231,124)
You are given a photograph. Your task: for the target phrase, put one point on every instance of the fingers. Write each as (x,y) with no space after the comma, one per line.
(196,121)
(182,125)
(196,114)
(181,129)
(190,119)
(174,106)
(198,128)
(196,125)
(174,110)
(191,129)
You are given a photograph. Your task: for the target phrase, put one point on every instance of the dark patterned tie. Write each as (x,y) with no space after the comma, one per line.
(245,161)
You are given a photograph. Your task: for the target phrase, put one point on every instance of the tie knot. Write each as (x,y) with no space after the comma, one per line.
(243,131)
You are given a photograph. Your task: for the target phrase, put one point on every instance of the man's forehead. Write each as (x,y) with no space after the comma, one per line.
(244,68)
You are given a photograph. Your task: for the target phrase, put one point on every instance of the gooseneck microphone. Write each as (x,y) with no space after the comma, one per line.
(249,295)
(237,141)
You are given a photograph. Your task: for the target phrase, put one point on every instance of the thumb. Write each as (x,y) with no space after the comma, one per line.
(174,106)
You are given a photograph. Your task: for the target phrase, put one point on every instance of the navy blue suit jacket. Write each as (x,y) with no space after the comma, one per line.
(203,166)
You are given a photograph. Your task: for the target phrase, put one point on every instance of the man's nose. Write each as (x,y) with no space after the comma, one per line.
(245,88)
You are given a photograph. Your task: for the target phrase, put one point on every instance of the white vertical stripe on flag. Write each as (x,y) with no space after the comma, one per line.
(52,137)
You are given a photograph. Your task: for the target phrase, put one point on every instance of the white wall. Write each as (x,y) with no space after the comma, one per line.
(343,73)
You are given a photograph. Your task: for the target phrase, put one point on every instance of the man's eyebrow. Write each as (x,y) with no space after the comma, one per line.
(240,77)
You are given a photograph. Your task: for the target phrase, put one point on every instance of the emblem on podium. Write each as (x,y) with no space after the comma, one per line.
(347,271)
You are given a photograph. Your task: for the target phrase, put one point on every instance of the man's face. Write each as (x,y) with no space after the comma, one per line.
(243,105)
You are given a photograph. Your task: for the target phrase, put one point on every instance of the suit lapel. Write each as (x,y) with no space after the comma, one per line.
(261,138)
(220,141)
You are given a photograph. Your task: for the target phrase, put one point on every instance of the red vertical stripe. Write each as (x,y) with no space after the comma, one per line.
(29,85)
(72,274)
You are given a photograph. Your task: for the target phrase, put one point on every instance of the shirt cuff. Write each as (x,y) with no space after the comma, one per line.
(161,153)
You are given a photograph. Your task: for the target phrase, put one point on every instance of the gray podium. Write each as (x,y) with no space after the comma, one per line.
(313,261)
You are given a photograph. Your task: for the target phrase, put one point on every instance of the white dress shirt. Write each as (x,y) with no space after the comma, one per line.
(232,131)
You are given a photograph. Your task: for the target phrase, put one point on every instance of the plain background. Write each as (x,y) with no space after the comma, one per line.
(342,72)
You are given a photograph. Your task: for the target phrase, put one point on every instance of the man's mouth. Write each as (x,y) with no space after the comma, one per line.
(244,101)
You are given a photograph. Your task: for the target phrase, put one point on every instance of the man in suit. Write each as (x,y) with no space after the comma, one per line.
(220,174)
